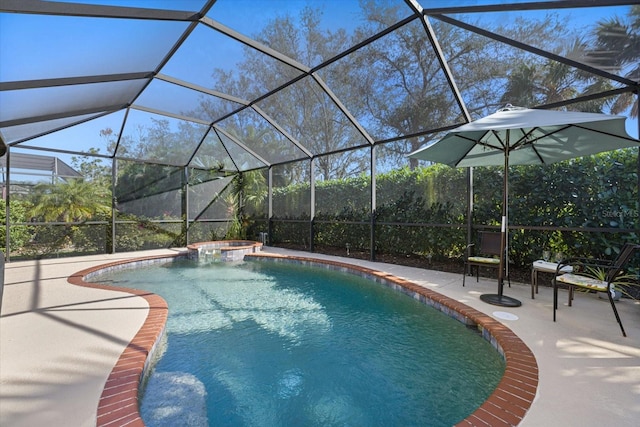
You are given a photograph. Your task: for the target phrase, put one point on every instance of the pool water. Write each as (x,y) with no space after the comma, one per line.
(266,344)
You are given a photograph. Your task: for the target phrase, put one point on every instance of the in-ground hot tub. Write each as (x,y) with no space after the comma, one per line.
(223,250)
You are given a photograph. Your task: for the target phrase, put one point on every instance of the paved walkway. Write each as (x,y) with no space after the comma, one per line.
(59,342)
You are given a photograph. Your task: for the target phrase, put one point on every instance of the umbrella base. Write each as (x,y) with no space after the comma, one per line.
(501,300)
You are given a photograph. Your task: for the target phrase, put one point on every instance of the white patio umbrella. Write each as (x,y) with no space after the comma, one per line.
(521,136)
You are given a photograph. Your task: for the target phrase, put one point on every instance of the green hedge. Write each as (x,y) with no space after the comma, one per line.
(423,211)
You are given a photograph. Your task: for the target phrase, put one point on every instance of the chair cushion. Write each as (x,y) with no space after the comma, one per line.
(583,281)
(550,267)
(483,260)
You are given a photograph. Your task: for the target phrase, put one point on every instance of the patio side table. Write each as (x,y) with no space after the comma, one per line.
(545,267)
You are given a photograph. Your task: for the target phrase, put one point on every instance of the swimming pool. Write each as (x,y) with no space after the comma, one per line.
(290,345)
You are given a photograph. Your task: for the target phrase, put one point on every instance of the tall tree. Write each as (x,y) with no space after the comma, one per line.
(404,86)
(303,109)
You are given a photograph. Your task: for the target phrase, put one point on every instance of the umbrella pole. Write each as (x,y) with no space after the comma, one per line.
(504,229)
(499,298)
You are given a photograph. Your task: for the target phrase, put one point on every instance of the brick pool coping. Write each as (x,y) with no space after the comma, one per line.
(506,406)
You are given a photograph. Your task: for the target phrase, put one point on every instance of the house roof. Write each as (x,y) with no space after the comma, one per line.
(52,165)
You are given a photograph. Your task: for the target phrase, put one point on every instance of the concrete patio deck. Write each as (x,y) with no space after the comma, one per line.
(59,342)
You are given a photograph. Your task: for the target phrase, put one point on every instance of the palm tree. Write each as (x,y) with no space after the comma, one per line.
(614,46)
(69,202)
(548,82)
(617,48)
(72,201)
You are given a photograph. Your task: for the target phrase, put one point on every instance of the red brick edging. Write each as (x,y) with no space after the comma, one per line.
(118,405)
(506,406)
